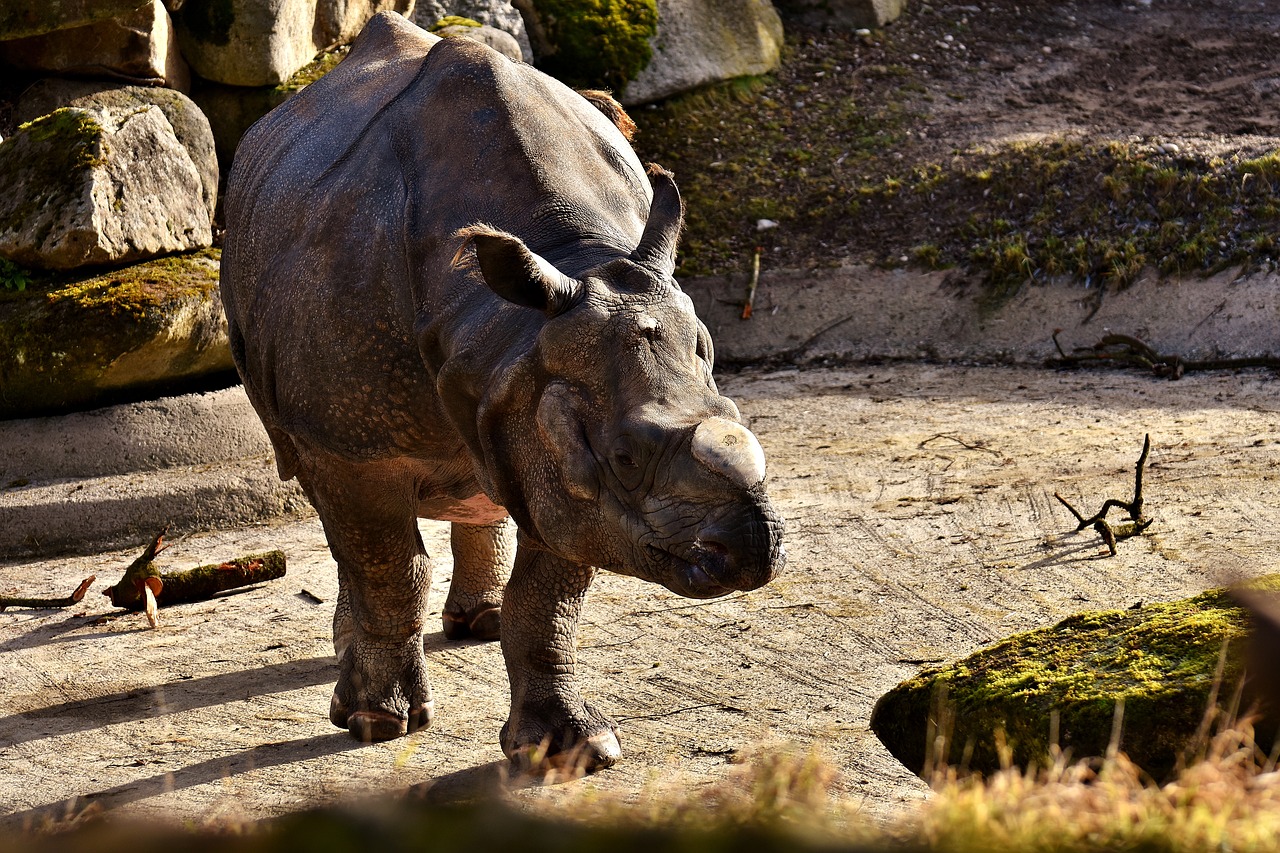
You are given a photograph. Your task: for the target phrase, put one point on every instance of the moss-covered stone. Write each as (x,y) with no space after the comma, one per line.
(25,19)
(597,43)
(454,21)
(52,153)
(1159,660)
(70,343)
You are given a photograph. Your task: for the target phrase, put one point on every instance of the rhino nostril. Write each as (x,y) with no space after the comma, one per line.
(712,557)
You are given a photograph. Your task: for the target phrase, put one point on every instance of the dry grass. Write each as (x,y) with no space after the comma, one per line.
(1227,798)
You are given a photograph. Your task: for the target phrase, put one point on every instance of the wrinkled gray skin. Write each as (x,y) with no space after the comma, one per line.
(448,283)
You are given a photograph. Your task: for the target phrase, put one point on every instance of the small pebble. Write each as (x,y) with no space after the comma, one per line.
(863,32)
(1169,147)
(948,38)
(1046,50)
(765,224)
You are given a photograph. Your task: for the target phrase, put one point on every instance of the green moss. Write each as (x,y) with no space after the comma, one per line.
(1160,660)
(44,163)
(598,43)
(60,334)
(134,290)
(1100,211)
(454,21)
(309,73)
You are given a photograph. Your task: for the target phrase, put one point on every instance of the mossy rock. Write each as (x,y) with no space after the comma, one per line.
(73,343)
(1160,660)
(596,43)
(22,19)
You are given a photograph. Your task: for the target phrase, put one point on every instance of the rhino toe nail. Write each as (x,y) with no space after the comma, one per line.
(374,726)
(487,625)
(421,717)
(338,713)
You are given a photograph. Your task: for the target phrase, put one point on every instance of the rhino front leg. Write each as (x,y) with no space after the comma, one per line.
(550,724)
(383,573)
(482,555)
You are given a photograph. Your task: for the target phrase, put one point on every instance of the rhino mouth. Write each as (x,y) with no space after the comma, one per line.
(693,575)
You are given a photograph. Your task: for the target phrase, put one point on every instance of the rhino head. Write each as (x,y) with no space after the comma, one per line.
(612,446)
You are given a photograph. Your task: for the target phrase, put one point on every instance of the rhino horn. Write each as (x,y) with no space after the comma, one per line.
(729,449)
(657,249)
(518,274)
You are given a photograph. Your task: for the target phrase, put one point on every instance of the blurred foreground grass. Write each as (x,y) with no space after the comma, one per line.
(1226,798)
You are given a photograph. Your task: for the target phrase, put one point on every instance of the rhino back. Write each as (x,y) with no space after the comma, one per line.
(341,210)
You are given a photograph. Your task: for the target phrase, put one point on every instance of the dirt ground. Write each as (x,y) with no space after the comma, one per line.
(918,498)
(921,526)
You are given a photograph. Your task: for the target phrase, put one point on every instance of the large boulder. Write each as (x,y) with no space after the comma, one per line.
(1161,661)
(79,343)
(264,42)
(190,125)
(137,46)
(85,187)
(706,41)
(842,14)
(25,18)
(498,14)
(500,40)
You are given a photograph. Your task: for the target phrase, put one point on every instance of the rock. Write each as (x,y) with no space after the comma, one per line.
(264,42)
(499,14)
(190,125)
(502,42)
(701,41)
(842,14)
(1160,660)
(147,328)
(23,19)
(81,187)
(139,46)
(596,45)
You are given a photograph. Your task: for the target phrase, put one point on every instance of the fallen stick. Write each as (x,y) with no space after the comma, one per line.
(1129,351)
(49,603)
(1137,522)
(144,587)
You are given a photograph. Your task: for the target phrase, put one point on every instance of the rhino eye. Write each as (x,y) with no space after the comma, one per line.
(624,459)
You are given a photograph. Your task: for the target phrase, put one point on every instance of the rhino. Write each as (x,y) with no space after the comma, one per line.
(448,287)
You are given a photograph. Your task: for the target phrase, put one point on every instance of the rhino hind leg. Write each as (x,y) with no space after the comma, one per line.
(482,557)
(383,573)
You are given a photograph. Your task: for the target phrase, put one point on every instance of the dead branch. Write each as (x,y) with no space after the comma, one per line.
(49,603)
(144,587)
(1129,351)
(1137,521)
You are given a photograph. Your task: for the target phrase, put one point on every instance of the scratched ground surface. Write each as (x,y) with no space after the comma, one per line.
(921,526)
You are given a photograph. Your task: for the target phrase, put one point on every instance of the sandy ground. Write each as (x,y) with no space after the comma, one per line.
(921,526)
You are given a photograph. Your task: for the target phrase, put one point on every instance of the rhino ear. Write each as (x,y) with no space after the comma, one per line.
(517,274)
(657,249)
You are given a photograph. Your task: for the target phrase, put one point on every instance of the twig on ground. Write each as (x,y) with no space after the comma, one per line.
(48,603)
(1129,351)
(1137,522)
(749,305)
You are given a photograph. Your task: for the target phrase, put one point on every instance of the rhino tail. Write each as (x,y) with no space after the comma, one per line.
(603,100)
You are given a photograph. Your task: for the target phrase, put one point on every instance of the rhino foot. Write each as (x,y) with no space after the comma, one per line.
(483,622)
(542,738)
(381,693)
